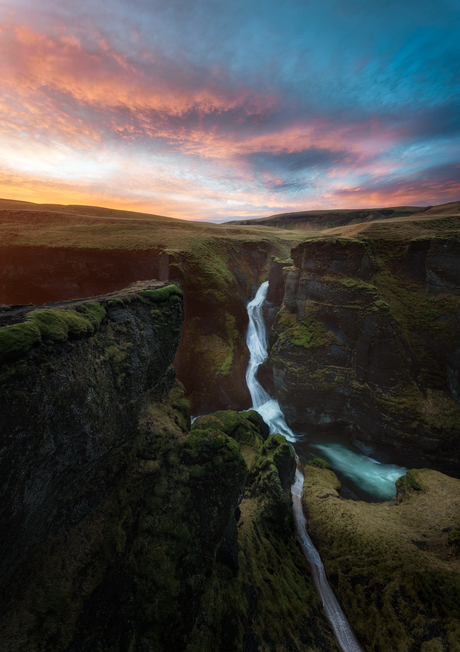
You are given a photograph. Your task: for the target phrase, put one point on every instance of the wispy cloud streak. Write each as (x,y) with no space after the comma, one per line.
(210,115)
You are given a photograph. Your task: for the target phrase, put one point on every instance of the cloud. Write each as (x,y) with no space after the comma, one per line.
(287,162)
(433,185)
(227,110)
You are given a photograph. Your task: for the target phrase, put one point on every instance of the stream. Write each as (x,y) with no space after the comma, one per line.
(361,475)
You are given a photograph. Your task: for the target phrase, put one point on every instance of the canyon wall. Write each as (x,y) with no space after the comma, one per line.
(218,277)
(367,343)
(123,528)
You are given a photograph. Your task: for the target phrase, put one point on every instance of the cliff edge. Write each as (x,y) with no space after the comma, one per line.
(367,340)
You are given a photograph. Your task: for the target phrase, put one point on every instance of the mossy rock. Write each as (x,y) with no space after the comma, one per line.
(162,294)
(49,324)
(320,463)
(237,425)
(255,418)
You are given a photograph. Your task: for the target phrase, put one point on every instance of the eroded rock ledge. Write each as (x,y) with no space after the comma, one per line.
(72,381)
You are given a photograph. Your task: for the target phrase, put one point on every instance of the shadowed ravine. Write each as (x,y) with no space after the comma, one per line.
(269,409)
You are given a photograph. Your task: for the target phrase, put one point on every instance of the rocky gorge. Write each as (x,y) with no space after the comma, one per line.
(367,341)
(127,527)
(124,526)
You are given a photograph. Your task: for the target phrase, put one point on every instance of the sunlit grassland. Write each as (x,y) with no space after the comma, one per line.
(102,228)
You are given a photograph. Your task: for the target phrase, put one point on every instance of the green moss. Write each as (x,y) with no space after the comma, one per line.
(49,324)
(17,339)
(413,480)
(308,333)
(232,336)
(162,294)
(320,463)
(453,538)
(234,424)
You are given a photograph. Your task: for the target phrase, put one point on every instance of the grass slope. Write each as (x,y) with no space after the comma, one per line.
(323,219)
(394,566)
(53,225)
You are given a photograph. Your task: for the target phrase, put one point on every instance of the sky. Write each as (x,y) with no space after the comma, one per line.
(215,110)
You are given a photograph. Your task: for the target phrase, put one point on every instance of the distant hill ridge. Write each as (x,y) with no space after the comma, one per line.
(327,219)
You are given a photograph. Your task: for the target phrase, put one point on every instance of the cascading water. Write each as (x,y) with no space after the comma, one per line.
(379,478)
(256,339)
(340,625)
(364,473)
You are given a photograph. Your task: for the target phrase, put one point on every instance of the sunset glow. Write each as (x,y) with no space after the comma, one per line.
(223,111)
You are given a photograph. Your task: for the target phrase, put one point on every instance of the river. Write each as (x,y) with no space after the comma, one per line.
(361,475)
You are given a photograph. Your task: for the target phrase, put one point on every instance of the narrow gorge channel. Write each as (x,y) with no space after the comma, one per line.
(361,471)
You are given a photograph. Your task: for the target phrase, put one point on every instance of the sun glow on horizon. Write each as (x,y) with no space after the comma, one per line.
(123,115)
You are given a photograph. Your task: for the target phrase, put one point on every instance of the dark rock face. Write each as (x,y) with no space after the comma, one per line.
(66,404)
(212,358)
(367,343)
(123,528)
(275,294)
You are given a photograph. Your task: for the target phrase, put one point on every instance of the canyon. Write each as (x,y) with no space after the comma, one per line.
(129,527)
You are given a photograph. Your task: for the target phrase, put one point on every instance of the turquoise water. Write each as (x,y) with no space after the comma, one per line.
(362,477)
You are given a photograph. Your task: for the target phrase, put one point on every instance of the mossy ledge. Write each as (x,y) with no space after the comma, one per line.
(394,566)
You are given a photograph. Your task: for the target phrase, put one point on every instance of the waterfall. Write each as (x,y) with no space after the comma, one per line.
(269,409)
(256,339)
(340,625)
(374,478)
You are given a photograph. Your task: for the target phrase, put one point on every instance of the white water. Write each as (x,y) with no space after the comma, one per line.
(337,618)
(256,339)
(375,478)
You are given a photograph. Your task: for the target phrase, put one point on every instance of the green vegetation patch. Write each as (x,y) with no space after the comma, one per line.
(308,333)
(49,324)
(232,335)
(162,294)
(320,463)
(240,426)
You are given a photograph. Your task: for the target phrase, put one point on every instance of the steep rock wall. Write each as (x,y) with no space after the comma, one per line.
(70,398)
(122,528)
(219,278)
(367,343)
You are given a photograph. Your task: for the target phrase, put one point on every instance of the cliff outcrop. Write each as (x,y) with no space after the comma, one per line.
(395,566)
(367,341)
(72,381)
(123,527)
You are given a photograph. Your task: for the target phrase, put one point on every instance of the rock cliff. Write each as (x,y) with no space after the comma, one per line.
(72,381)
(218,276)
(395,567)
(123,528)
(367,340)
